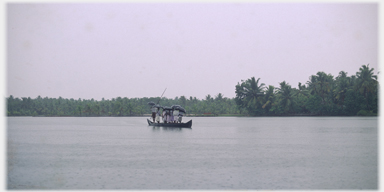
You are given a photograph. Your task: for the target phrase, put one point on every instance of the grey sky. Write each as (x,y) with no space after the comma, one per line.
(139,49)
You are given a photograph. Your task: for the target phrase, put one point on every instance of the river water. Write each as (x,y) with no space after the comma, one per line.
(217,153)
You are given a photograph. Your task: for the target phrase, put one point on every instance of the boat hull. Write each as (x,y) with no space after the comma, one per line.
(181,125)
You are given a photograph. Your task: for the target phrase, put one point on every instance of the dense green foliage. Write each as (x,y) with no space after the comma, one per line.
(115,107)
(323,95)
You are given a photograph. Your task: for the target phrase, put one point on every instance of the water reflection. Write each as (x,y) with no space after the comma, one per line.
(175,129)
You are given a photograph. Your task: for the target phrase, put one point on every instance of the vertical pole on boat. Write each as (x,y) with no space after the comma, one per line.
(161,96)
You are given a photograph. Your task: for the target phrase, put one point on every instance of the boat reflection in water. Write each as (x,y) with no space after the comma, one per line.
(175,129)
(171,125)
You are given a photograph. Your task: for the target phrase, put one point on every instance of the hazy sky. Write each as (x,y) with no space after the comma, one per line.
(132,50)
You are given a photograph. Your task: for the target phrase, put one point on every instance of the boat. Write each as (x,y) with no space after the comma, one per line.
(181,125)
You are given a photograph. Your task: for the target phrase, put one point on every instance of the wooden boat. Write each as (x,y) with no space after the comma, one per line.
(181,125)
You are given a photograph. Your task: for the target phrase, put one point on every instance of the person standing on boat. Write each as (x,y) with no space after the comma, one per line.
(180,117)
(171,116)
(158,115)
(154,111)
(164,116)
(176,115)
(167,116)
(181,114)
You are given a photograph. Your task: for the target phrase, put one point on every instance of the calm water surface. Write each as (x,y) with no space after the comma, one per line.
(217,153)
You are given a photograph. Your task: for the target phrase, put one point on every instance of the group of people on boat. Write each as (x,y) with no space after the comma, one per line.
(173,114)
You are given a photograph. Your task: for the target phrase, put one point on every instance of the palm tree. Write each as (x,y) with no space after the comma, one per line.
(249,94)
(269,97)
(286,96)
(342,84)
(301,90)
(366,81)
(320,84)
(219,97)
(312,84)
(208,98)
(302,95)
(253,92)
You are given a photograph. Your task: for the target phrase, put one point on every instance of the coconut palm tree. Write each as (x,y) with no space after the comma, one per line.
(301,91)
(249,94)
(219,97)
(366,81)
(342,84)
(312,84)
(286,97)
(208,98)
(269,98)
(254,92)
(320,84)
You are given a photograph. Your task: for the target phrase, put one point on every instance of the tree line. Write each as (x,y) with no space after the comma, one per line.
(117,106)
(321,95)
